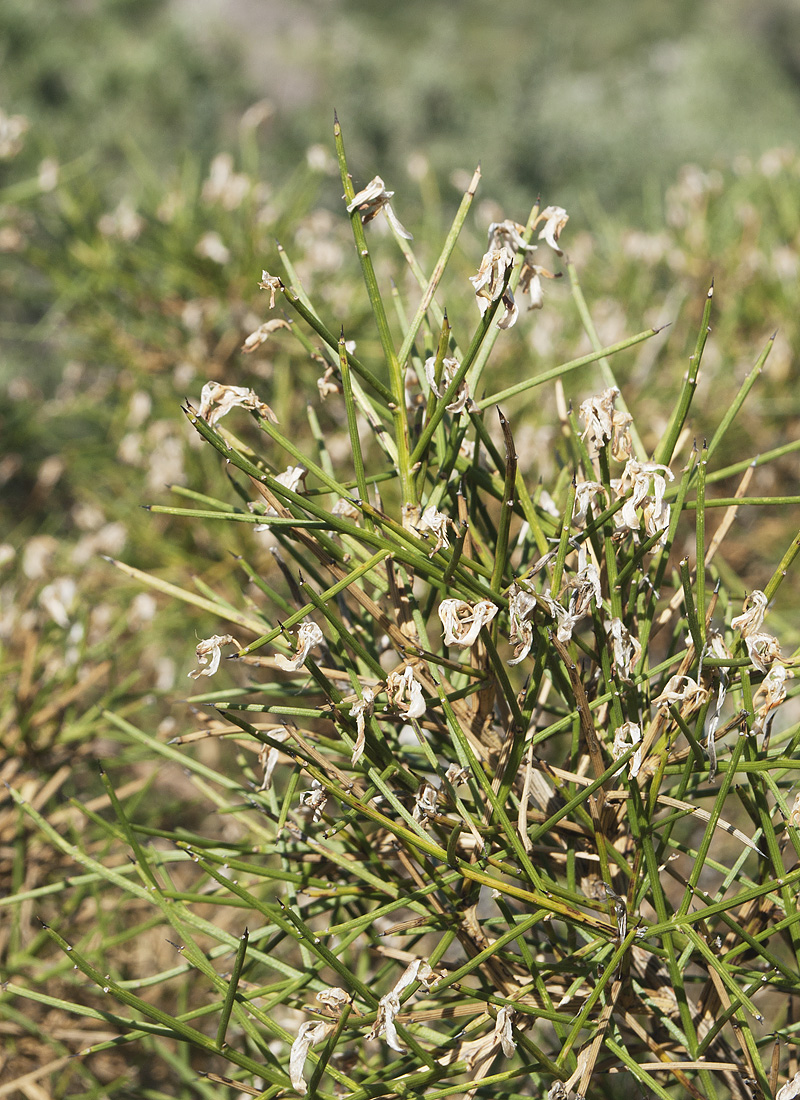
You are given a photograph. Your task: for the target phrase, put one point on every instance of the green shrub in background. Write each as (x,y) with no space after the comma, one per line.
(497,802)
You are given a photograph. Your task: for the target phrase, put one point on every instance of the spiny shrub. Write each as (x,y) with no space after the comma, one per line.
(507,810)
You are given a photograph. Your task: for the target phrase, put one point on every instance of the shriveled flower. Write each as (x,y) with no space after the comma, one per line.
(521,606)
(217,400)
(461,398)
(621,443)
(308,1036)
(425,802)
(262,334)
(314,800)
(763,650)
(490,283)
(371,200)
(456,774)
(530,283)
(333,998)
(401,683)
(773,689)
(389,1005)
(268,757)
(462,622)
(554,218)
(502,1030)
(585,587)
(655,512)
(566,621)
(209,652)
(346,509)
(597,412)
(509,233)
(753,612)
(628,734)
(273,284)
(791,1090)
(585,493)
(360,711)
(329,383)
(684,690)
(627,649)
(308,637)
(437,522)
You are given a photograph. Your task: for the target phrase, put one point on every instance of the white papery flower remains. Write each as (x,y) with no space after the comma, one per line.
(263,333)
(217,400)
(762,648)
(308,636)
(209,652)
(360,711)
(461,398)
(308,1036)
(389,1005)
(490,283)
(628,734)
(627,649)
(462,622)
(401,683)
(437,522)
(371,200)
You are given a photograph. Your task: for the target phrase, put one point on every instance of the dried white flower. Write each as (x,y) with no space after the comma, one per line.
(753,612)
(521,606)
(209,652)
(400,682)
(502,1030)
(462,622)
(333,997)
(425,802)
(762,649)
(791,1090)
(217,400)
(371,200)
(437,522)
(359,711)
(314,800)
(655,513)
(308,1036)
(273,284)
(773,690)
(584,495)
(262,334)
(585,585)
(555,218)
(628,734)
(461,398)
(389,1005)
(682,689)
(455,774)
(627,649)
(597,412)
(490,283)
(308,636)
